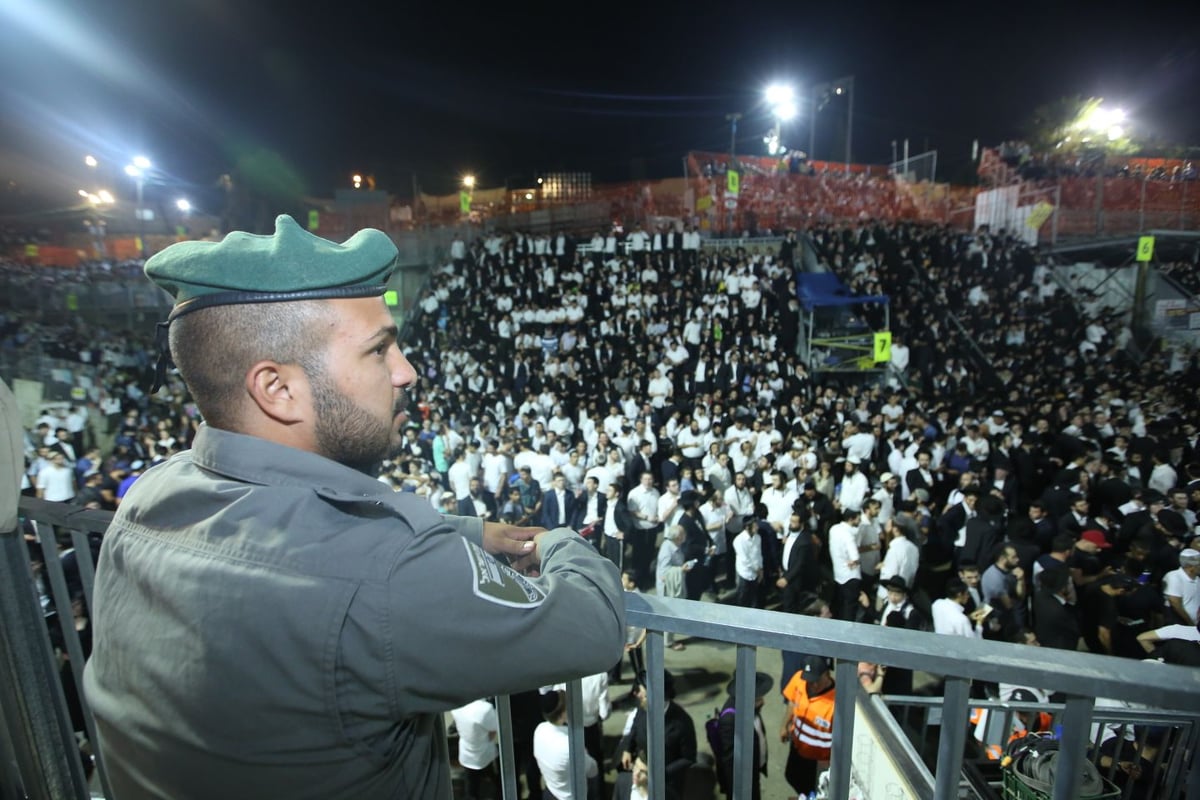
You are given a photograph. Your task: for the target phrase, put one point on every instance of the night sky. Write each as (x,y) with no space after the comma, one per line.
(439,89)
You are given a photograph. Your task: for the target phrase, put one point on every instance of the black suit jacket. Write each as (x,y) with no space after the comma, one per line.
(550,508)
(466,506)
(1056,624)
(581,504)
(915,480)
(634,468)
(799,572)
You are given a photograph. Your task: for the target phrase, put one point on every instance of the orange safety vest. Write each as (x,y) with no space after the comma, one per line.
(812,719)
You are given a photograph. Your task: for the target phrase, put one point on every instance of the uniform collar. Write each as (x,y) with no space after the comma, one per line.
(249,459)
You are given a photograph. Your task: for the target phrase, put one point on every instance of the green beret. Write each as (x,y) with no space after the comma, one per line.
(290,265)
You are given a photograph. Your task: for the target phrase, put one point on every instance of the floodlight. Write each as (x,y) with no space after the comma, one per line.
(183,205)
(469,181)
(778,94)
(90,161)
(141,162)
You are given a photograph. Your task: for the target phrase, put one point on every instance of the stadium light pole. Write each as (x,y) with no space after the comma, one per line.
(137,171)
(733,121)
(818,99)
(782,101)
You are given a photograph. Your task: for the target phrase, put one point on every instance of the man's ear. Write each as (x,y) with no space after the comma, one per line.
(281,391)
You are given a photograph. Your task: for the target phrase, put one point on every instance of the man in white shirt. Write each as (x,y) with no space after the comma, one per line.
(659,389)
(55,480)
(855,486)
(597,707)
(1163,476)
(738,498)
(715,515)
(843,553)
(669,510)
(1181,588)
(691,443)
(643,507)
(552,750)
(903,557)
(858,443)
(950,616)
(748,564)
(779,501)
(477,726)
(460,476)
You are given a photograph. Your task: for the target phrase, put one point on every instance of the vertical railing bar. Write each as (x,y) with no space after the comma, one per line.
(52,564)
(952,740)
(655,711)
(32,704)
(508,761)
(87,570)
(925,723)
(1116,756)
(1077,716)
(1161,753)
(575,738)
(843,728)
(743,723)
(1179,753)
(87,577)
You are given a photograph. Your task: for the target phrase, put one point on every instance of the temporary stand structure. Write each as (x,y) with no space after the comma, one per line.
(840,331)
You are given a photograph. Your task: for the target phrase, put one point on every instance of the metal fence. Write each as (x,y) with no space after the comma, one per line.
(1177,736)
(38,740)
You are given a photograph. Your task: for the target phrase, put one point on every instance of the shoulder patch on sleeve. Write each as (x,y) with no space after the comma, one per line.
(499,583)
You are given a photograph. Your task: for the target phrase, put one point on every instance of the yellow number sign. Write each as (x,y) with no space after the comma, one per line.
(1145,250)
(883,346)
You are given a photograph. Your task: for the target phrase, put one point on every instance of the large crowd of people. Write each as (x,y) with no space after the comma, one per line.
(1011,474)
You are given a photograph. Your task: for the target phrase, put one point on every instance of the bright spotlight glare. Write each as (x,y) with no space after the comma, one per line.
(1115,132)
(529,195)
(786,111)
(469,181)
(141,162)
(90,161)
(132,171)
(183,205)
(778,94)
(83,193)
(106,196)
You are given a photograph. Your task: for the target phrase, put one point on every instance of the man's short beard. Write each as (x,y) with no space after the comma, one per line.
(346,432)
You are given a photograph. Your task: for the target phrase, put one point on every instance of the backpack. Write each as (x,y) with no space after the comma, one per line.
(712,730)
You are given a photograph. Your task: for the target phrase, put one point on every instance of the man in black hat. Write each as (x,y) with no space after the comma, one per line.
(288,609)
(724,742)
(679,736)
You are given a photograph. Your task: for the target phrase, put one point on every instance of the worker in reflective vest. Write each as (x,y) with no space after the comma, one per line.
(811,693)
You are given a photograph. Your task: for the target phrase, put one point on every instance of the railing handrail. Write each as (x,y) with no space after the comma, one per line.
(1068,671)
(1099,714)
(1081,676)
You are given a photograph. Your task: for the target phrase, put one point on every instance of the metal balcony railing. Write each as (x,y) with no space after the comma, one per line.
(36,734)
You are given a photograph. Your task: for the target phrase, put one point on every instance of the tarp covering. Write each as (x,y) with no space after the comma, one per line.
(817,289)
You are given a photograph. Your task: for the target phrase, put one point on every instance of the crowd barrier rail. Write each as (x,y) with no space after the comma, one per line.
(37,741)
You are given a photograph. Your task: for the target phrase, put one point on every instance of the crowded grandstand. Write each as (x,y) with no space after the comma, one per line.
(1017,460)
